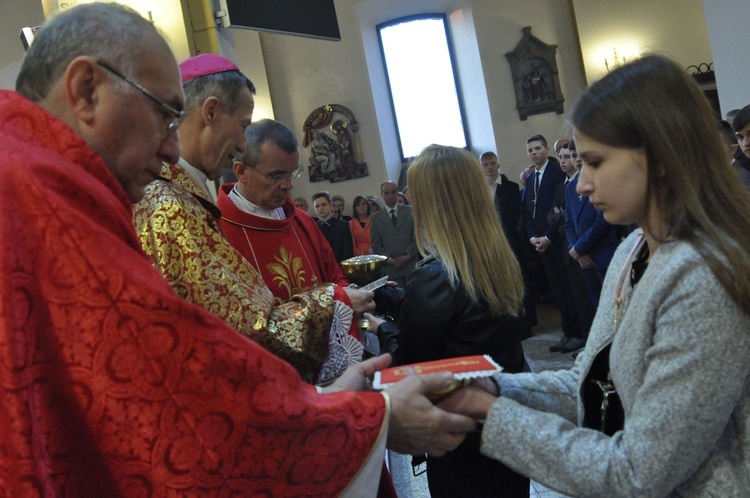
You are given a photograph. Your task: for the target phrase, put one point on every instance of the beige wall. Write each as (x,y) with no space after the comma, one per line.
(304,74)
(727,28)
(17,14)
(499,30)
(14,15)
(674,27)
(294,75)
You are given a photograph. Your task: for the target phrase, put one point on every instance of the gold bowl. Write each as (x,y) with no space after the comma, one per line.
(362,270)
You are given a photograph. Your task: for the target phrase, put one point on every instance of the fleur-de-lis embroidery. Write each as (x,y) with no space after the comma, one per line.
(288,271)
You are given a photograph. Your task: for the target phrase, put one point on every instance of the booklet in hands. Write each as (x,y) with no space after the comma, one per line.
(464,369)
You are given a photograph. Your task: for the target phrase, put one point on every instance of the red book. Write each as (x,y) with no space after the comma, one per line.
(463,368)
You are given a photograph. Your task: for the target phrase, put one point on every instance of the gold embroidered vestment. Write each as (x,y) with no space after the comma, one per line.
(178,228)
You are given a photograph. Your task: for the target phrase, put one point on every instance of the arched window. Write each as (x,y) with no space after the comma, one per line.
(422,83)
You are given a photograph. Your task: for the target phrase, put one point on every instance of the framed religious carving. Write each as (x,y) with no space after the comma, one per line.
(331,132)
(535,77)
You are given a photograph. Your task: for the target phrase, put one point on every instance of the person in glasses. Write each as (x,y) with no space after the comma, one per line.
(112,384)
(178,224)
(283,244)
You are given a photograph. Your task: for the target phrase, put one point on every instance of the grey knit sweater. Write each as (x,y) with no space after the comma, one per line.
(681,364)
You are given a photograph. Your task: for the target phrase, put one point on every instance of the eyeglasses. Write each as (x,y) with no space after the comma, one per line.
(279,178)
(166,108)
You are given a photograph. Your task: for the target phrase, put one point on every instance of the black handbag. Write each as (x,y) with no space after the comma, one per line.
(602,408)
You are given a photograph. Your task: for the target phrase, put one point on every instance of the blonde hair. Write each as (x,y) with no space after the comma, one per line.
(456,222)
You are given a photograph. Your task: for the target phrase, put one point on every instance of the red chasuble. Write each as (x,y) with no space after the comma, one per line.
(111,385)
(290,254)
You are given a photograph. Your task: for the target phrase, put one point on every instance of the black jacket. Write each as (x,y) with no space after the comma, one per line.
(535,214)
(437,322)
(339,235)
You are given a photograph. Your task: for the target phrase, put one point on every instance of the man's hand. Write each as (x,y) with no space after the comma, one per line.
(586,262)
(416,425)
(400,261)
(361,300)
(540,243)
(356,377)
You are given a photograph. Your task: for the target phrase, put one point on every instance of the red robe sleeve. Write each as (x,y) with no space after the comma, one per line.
(111,384)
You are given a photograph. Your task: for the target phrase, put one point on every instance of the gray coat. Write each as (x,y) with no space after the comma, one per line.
(680,361)
(394,241)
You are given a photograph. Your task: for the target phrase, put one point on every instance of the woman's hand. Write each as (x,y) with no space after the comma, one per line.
(470,401)
(374,322)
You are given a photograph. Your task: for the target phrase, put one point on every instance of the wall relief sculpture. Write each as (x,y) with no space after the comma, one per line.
(335,154)
(535,77)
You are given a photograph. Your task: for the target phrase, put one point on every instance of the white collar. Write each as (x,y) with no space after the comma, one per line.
(199,177)
(248,207)
(543,168)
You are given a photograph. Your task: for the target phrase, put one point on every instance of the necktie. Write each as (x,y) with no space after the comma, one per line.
(536,192)
(393,217)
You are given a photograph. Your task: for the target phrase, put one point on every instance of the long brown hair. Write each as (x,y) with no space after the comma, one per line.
(357,199)
(653,105)
(456,222)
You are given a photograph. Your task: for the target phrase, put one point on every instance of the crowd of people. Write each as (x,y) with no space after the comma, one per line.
(329,210)
(158,339)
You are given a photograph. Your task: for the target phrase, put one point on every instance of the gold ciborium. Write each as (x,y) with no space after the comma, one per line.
(362,270)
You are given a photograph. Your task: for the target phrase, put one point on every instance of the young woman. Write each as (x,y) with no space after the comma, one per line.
(464,298)
(669,349)
(360,226)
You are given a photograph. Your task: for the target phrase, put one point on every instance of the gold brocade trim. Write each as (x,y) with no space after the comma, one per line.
(179,235)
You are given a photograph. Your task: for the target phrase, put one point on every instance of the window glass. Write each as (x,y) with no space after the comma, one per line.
(422,82)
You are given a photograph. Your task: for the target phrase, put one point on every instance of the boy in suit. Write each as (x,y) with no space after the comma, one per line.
(538,201)
(335,230)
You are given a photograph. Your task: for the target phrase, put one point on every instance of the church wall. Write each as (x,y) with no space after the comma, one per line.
(676,28)
(304,74)
(729,37)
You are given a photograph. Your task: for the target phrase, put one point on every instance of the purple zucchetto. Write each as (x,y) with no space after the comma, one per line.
(203,65)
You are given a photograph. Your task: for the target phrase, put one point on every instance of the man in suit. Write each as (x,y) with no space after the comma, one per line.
(507,199)
(577,288)
(335,231)
(506,196)
(545,238)
(392,235)
(591,240)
